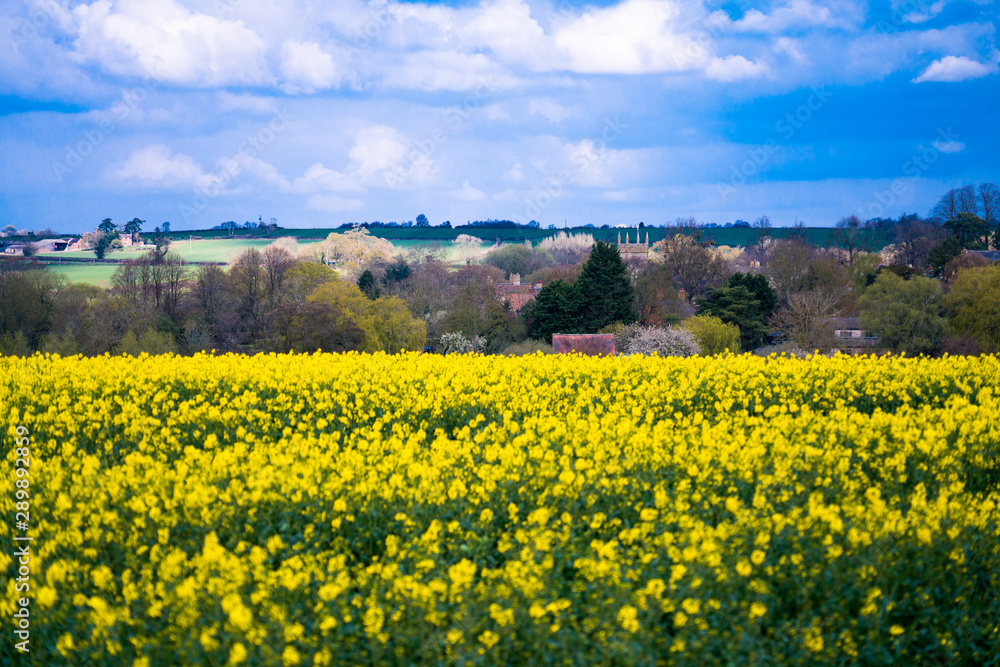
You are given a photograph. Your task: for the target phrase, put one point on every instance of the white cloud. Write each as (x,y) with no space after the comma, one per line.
(252,103)
(922,12)
(306,68)
(796,14)
(949,146)
(155,166)
(164,41)
(333,203)
(467,193)
(382,157)
(550,109)
(634,37)
(496,112)
(955,68)
(448,70)
(254,166)
(515,174)
(734,68)
(319,178)
(594,165)
(508,30)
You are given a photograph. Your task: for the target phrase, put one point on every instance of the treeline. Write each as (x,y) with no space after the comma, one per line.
(933,290)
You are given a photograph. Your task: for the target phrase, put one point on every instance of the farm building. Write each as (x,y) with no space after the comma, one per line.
(516,294)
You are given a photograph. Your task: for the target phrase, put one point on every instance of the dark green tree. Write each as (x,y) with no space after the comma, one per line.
(747,301)
(107,227)
(739,306)
(604,289)
(396,273)
(969,229)
(758,285)
(109,234)
(556,309)
(942,253)
(162,243)
(422,221)
(133,227)
(367,285)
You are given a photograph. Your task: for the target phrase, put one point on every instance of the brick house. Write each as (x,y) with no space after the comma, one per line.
(516,294)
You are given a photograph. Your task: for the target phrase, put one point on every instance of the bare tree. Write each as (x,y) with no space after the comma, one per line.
(788,265)
(851,236)
(762,232)
(249,286)
(955,201)
(174,275)
(914,239)
(989,204)
(947,206)
(804,318)
(967,200)
(208,291)
(277,263)
(692,266)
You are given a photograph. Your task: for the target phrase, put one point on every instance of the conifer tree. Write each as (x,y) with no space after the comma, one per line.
(605,289)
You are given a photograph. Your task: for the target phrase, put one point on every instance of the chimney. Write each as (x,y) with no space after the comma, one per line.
(515,278)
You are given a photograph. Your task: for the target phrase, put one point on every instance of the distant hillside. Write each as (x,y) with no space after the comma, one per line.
(730,236)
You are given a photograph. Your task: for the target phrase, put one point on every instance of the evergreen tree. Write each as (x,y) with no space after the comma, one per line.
(759,287)
(367,285)
(556,309)
(747,301)
(604,289)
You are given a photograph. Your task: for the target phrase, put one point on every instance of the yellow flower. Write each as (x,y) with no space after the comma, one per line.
(237,654)
(896,630)
(628,617)
(744,568)
(813,640)
(489,639)
(757,557)
(756,610)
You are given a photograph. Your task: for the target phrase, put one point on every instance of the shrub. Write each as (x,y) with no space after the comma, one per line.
(714,336)
(529,346)
(459,343)
(669,342)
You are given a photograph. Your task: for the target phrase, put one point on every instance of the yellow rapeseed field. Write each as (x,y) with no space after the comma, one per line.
(356,509)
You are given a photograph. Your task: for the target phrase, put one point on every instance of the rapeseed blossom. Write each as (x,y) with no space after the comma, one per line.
(344,509)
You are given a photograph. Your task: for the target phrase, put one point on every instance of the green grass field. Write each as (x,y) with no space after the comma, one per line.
(93,274)
(433,240)
(216,250)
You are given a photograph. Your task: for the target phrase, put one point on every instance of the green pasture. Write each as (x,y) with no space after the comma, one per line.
(94,274)
(215,250)
(731,236)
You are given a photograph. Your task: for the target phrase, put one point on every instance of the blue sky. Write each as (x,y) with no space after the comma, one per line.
(321,113)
